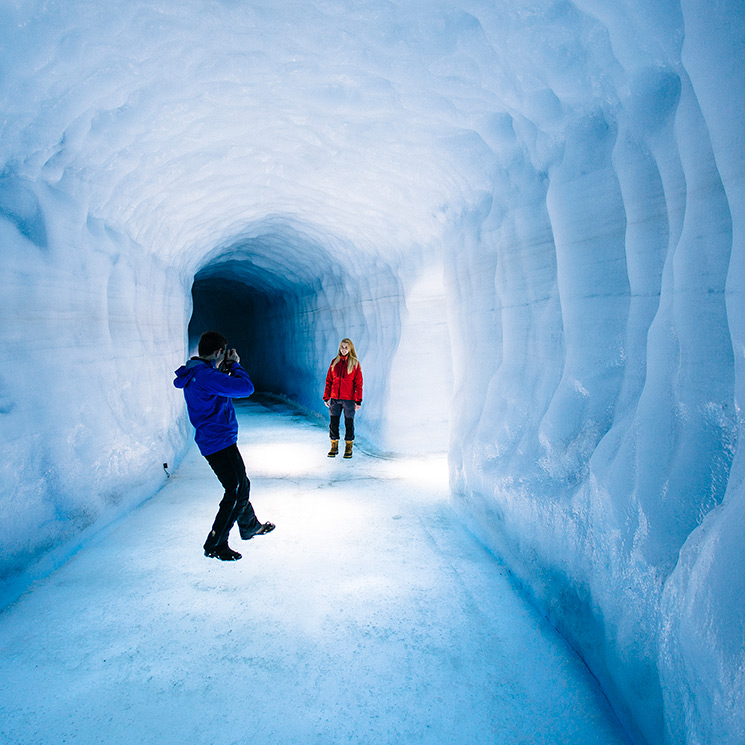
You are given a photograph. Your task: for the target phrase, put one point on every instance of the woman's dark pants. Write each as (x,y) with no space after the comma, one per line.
(235,506)
(335,409)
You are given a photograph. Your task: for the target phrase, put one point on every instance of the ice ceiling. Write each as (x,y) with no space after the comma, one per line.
(528,216)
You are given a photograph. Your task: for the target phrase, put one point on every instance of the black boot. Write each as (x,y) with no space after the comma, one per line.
(224,553)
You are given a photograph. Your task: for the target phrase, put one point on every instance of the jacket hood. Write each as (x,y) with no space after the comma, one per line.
(186,372)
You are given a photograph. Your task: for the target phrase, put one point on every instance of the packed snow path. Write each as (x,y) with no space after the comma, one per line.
(369,616)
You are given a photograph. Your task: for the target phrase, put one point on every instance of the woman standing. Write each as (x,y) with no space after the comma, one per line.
(343,393)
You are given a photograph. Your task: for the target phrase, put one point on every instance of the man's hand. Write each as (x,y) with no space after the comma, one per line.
(326,404)
(357,406)
(232,356)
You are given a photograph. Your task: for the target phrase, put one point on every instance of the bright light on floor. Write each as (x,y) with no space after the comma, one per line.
(278,459)
(295,459)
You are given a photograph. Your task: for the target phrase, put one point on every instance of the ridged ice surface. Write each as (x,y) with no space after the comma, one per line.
(528,217)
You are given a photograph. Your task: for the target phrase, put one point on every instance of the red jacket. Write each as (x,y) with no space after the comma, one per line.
(343,385)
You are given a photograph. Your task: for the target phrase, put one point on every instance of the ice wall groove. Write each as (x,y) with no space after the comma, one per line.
(18,205)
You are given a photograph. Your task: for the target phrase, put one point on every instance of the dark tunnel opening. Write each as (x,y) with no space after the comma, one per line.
(268,319)
(265,290)
(240,312)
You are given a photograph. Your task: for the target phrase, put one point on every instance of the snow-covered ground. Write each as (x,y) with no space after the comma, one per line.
(369,616)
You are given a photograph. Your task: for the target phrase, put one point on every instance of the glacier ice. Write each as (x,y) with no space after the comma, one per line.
(528,216)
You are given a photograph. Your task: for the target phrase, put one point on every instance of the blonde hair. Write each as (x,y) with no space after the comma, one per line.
(352,360)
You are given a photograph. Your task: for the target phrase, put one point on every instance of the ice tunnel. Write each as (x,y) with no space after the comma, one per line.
(528,216)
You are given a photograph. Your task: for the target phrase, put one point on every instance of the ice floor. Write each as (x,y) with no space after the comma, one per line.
(368,616)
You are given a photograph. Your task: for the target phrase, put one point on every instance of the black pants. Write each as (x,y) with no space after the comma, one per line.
(335,408)
(235,506)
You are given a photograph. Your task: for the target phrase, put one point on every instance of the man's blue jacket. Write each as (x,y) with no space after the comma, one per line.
(208,393)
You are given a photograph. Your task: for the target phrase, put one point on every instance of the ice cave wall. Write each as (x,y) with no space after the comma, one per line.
(90,324)
(528,217)
(613,477)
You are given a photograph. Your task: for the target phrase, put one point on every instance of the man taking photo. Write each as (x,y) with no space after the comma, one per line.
(209,392)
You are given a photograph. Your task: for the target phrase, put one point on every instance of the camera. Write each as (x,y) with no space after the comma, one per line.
(224,365)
